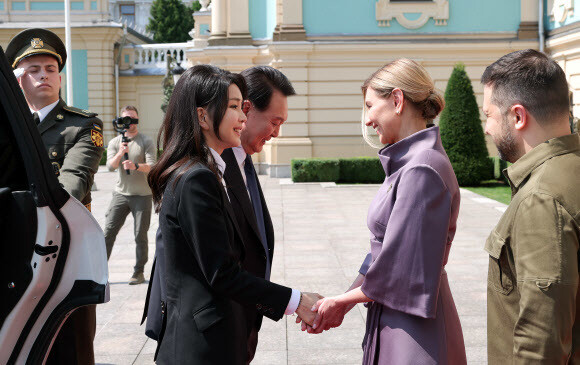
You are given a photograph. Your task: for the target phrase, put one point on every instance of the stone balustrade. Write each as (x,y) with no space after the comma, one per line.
(154,55)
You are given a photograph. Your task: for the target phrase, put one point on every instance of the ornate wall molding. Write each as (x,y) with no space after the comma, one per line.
(560,10)
(436,9)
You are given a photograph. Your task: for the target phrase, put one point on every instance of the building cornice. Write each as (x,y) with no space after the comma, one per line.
(564,31)
(420,37)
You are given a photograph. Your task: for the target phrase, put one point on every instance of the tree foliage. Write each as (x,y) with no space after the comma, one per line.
(461,131)
(171,20)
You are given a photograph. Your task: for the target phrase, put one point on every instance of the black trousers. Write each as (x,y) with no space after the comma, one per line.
(252,345)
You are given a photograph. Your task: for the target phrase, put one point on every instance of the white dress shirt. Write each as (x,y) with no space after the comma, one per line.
(42,113)
(241,160)
(221,167)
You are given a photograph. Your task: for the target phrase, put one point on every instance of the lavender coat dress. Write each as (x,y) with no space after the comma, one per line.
(412,221)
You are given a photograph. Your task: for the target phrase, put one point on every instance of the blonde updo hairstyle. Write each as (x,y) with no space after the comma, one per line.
(415,83)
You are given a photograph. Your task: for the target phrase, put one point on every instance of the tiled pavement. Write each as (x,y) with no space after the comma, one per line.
(321,239)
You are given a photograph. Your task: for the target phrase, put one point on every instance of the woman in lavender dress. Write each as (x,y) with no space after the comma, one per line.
(411,315)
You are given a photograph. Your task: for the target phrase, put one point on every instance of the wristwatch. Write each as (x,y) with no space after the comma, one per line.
(136,166)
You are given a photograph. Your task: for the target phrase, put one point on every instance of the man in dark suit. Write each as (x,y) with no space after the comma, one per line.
(266,110)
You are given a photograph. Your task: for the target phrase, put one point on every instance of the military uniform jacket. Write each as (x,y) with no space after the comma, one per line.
(532,290)
(74,141)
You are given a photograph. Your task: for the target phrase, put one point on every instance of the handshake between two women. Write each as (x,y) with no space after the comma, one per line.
(329,312)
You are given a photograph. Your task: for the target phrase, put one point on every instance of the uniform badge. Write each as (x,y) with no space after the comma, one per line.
(59,117)
(54,153)
(97,138)
(37,43)
(56,168)
(96,126)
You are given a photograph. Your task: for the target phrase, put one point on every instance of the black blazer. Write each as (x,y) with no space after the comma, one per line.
(206,286)
(255,254)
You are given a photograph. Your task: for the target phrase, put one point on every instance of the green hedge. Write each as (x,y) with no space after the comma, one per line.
(315,170)
(361,170)
(370,170)
(498,166)
(470,172)
(347,170)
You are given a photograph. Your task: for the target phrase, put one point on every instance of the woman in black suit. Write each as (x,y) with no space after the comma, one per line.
(206,287)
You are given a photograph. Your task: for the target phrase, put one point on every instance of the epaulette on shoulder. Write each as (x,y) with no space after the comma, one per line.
(84,113)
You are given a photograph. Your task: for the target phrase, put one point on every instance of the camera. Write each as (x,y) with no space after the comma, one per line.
(121,125)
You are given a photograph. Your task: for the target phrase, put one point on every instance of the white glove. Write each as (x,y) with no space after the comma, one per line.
(18,72)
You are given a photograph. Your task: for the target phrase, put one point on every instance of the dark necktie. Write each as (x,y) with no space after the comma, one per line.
(257,203)
(36,118)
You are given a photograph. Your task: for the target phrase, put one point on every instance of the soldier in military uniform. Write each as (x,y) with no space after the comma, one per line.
(74,142)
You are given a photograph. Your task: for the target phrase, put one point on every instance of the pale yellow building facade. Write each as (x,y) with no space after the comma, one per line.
(327,69)
(327,48)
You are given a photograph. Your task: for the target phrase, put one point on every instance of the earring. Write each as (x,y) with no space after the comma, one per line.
(398,112)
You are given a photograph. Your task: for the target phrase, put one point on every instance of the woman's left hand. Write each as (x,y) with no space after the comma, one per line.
(331,312)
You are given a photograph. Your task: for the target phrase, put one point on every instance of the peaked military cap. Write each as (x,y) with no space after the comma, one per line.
(31,42)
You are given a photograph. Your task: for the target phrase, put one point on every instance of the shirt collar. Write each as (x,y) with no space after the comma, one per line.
(240,155)
(42,113)
(218,160)
(522,168)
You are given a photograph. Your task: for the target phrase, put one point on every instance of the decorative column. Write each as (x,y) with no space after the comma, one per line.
(289,25)
(219,18)
(238,23)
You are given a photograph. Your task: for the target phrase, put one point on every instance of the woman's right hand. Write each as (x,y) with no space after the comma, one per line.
(331,312)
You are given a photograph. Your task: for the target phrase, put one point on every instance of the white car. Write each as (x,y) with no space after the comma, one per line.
(53,257)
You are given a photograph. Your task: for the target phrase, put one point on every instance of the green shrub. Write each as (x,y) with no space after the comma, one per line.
(171,20)
(315,170)
(472,172)
(361,170)
(498,166)
(461,131)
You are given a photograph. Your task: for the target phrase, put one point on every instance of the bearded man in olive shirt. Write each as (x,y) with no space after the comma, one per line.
(533,251)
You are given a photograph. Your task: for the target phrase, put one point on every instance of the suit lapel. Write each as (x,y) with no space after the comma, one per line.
(237,188)
(50,119)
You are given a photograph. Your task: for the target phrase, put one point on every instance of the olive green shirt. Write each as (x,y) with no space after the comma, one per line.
(141,150)
(532,284)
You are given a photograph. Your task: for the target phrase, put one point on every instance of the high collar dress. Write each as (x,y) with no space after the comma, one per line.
(412,222)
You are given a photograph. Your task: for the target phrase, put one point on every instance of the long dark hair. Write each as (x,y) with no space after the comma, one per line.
(183,141)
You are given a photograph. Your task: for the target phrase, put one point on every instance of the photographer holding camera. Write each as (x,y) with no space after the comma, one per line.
(132,154)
